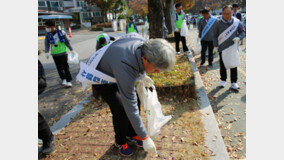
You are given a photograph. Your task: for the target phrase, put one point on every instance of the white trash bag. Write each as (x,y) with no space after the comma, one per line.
(184,30)
(197,48)
(230,56)
(73,57)
(150,103)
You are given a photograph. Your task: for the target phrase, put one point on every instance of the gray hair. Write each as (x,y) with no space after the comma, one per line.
(160,53)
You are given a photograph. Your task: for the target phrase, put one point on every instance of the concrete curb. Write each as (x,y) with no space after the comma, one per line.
(65,119)
(213,138)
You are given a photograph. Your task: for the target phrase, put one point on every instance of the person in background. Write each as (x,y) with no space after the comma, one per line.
(224,38)
(236,13)
(166,31)
(59,43)
(131,26)
(44,132)
(199,16)
(103,40)
(206,35)
(179,20)
(194,21)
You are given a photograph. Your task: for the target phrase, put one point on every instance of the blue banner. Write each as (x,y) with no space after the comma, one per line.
(209,24)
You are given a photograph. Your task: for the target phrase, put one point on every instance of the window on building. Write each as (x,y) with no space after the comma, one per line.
(54,4)
(98,14)
(42,4)
(57,23)
(81,4)
(41,23)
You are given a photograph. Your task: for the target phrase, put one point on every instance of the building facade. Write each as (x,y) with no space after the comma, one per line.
(82,13)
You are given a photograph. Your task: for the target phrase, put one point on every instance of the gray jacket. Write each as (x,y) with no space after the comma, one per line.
(47,44)
(209,36)
(221,26)
(123,61)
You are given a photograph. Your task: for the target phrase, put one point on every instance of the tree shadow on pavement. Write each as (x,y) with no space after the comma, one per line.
(244,98)
(215,101)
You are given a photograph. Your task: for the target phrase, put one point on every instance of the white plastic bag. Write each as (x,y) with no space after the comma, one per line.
(197,48)
(184,30)
(73,58)
(230,56)
(149,100)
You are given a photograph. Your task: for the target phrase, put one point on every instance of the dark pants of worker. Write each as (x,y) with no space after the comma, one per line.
(223,71)
(62,67)
(179,38)
(121,123)
(204,46)
(44,132)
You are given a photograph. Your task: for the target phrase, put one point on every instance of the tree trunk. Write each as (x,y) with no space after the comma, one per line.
(156,15)
(167,13)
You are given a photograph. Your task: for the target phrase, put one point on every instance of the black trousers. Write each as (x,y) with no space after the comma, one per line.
(121,123)
(223,71)
(44,132)
(62,67)
(179,38)
(204,46)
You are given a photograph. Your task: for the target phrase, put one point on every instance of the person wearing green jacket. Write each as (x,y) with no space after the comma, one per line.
(131,26)
(180,16)
(59,43)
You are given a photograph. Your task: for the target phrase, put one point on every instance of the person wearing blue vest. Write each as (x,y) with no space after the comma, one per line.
(131,26)
(206,35)
(227,31)
(180,16)
(59,43)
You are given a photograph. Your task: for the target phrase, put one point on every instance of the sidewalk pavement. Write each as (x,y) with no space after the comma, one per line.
(229,107)
(91,135)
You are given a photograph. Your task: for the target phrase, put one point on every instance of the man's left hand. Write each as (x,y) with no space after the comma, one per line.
(236,39)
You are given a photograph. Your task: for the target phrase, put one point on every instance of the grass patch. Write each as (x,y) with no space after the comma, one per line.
(178,81)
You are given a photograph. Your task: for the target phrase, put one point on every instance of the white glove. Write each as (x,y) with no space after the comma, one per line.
(236,39)
(47,55)
(215,50)
(149,145)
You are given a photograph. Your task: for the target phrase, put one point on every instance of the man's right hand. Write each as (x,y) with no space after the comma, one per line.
(47,55)
(215,50)
(149,145)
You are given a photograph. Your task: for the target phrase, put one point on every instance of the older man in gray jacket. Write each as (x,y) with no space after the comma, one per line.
(206,34)
(127,60)
(225,38)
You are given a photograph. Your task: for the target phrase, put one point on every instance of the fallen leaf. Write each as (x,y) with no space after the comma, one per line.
(229,149)
(229,126)
(180,150)
(195,143)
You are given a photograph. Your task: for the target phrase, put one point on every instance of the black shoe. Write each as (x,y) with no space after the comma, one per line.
(48,146)
(202,63)
(210,65)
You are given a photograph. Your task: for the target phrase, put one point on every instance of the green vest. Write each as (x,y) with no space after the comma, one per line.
(179,21)
(61,48)
(131,29)
(100,36)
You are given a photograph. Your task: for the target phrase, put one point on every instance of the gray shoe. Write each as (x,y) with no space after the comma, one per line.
(48,146)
